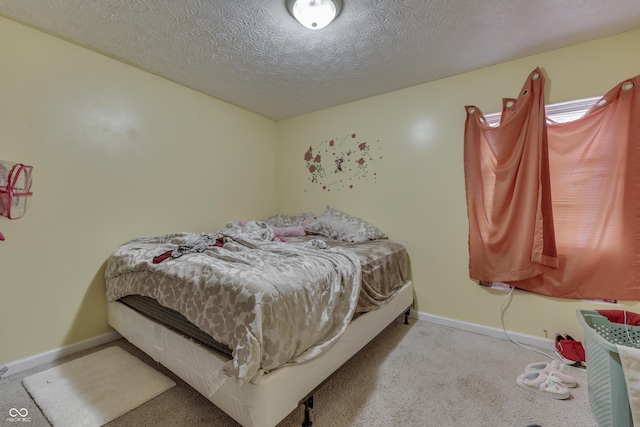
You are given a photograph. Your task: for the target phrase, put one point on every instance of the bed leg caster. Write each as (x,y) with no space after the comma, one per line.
(308,405)
(406,316)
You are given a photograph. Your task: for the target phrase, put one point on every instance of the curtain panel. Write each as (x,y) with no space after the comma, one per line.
(554,208)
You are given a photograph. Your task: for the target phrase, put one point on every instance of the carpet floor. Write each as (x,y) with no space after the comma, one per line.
(415,375)
(95,389)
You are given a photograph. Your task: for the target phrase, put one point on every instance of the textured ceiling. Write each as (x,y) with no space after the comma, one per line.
(253,54)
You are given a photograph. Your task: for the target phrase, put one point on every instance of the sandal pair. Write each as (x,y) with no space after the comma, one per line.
(548,385)
(554,367)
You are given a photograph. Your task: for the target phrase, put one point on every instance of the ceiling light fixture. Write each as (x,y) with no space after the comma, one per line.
(314,14)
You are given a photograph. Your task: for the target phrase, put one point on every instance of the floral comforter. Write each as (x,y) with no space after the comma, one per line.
(273,303)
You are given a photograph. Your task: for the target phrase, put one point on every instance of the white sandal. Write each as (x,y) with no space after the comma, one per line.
(548,385)
(555,367)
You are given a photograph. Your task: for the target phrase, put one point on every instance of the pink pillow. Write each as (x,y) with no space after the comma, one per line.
(289,231)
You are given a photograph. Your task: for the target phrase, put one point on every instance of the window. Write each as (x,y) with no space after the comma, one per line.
(555,208)
(561,112)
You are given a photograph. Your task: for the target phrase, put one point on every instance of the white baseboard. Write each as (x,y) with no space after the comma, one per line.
(53,355)
(528,340)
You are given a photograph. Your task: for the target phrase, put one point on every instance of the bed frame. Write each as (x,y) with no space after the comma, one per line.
(277,393)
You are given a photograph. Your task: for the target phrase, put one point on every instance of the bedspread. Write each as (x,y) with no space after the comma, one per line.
(385,266)
(273,303)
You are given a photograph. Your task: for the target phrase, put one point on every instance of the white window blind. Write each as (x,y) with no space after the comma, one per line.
(561,112)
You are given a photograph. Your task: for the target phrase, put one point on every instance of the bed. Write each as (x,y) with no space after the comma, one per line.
(257,315)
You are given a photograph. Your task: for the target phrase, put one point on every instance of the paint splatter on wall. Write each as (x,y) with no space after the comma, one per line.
(338,164)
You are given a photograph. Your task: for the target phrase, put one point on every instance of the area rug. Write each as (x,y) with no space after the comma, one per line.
(95,389)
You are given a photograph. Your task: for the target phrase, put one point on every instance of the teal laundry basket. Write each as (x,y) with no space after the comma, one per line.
(607,387)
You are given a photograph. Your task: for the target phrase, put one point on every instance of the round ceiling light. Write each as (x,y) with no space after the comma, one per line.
(314,14)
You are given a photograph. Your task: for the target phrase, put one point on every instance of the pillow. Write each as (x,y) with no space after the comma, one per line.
(289,231)
(296,231)
(290,220)
(341,226)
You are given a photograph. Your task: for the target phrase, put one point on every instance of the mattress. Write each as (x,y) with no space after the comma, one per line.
(267,402)
(272,303)
(383,264)
(174,321)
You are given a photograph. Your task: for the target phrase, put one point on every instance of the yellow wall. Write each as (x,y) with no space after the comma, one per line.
(419,196)
(117,153)
(120,153)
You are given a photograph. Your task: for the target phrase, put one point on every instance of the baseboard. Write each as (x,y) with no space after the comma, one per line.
(53,355)
(528,340)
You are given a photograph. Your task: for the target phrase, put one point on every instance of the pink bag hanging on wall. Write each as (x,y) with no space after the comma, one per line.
(15,189)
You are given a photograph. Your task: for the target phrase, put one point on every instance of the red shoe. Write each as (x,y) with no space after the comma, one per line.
(578,347)
(566,350)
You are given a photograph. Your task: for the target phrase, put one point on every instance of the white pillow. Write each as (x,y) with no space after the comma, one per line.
(281,220)
(341,226)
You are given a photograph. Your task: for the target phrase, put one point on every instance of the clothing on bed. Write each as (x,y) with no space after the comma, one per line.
(273,303)
(384,270)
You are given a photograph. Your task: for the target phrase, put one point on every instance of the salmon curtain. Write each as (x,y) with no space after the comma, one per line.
(554,208)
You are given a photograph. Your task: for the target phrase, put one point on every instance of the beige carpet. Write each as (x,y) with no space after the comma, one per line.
(417,375)
(95,389)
